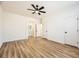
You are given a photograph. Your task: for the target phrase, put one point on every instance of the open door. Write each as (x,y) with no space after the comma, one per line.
(35,30)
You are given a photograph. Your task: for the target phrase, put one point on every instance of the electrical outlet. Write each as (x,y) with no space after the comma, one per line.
(78,30)
(78,42)
(46,31)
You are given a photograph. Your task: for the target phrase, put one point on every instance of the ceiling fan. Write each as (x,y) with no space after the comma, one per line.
(37,9)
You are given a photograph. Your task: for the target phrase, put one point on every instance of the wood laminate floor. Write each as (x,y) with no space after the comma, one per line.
(37,48)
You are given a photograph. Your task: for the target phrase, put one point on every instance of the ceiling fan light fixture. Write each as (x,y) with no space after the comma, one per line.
(36,11)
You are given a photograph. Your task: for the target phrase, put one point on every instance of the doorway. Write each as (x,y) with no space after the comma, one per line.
(35,30)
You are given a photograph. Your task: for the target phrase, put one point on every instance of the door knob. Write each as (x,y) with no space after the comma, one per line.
(65,32)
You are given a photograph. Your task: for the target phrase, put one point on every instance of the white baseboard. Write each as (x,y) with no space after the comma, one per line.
(53,39)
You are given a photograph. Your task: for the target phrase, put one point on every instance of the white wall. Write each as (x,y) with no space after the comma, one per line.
(55,29)
(0,25)
(54,24)
(15,27)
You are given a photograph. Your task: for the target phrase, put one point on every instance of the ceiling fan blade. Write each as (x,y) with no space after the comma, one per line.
(33,6)
(41,8)
(39,13)
(36,7)
(43,11)
(33,12)
(31,9)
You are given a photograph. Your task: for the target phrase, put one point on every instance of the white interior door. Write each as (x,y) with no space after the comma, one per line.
(31,29)
(70,31)
(39,29)
(78,31)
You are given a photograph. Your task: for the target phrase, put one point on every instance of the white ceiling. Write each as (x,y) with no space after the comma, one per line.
(51,7)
